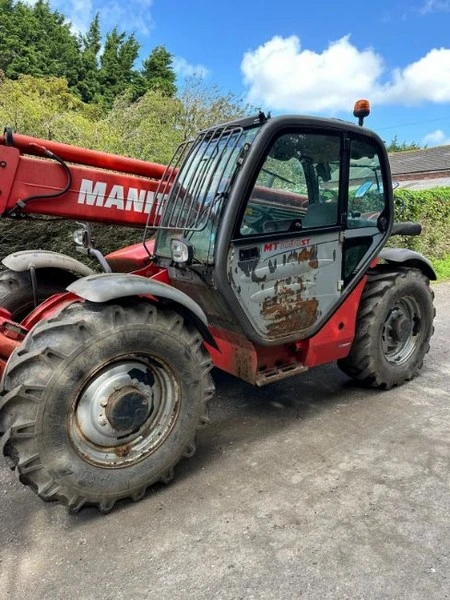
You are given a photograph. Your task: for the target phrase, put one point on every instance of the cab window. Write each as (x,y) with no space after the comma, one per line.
(366,197)
(296,187)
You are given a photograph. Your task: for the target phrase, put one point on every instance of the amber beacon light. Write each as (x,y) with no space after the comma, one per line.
(361,111)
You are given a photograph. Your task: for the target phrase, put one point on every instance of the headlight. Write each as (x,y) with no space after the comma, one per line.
(182,251)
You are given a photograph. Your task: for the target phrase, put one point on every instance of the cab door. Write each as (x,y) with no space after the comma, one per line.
(285,259)
(367,212)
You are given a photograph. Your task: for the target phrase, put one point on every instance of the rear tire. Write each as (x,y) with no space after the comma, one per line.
(16,290)
(393,328)
(102,401)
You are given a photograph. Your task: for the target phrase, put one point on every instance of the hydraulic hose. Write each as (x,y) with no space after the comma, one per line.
(20,204)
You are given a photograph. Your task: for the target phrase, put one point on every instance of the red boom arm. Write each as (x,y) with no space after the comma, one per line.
(104,187)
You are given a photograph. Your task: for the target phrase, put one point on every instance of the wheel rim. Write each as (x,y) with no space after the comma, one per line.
(125,411)
(401,331)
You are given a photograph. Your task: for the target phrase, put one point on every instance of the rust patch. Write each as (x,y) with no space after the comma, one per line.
(122,451)
(289,312)
(305,255)
(244,367)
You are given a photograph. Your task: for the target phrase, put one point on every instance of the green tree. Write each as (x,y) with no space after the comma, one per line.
(117,75)
(92,41)
(88,85)
(158,73)
(152,127)
(34,40)
(37,41)
(47,108)
(203,104)
(395,146)
(147,128)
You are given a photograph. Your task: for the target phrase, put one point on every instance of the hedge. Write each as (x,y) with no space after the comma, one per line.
(429,207)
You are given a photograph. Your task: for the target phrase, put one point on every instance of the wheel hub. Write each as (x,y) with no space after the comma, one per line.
(401,329)
(128,409)
(124,412)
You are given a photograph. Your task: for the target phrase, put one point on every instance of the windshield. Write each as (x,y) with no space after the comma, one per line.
(198,194)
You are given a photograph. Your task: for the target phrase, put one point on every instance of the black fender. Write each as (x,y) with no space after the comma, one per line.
(408,258)
(104,287)
(45,259)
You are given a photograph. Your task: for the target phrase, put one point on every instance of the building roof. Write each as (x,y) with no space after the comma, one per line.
(426,160)
(421,184)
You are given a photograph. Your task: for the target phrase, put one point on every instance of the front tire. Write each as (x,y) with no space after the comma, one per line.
(102,401)
(393,328)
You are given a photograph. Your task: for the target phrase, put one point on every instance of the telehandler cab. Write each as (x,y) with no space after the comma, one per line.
(268,259)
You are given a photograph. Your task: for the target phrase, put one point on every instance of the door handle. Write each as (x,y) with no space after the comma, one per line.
(249,253)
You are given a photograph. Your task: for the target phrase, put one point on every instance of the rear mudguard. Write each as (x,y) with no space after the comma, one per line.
(105,287)
(408,258)
(45,259)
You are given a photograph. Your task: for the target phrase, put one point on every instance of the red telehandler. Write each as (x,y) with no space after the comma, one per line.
(267,258)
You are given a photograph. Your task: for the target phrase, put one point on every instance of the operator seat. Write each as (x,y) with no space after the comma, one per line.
(320,214)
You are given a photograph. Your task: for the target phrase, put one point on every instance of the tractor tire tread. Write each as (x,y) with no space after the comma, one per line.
(36,360)
(363,362)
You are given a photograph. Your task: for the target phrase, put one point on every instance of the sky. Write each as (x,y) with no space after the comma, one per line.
(291,56)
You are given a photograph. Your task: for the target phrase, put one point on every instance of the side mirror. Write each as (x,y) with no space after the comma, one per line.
(323,171)
(83,236)
(85,244)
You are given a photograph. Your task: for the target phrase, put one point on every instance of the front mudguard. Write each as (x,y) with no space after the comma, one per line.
(104,287)
(408,258)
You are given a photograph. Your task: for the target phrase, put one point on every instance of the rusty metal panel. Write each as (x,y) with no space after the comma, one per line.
(286,286)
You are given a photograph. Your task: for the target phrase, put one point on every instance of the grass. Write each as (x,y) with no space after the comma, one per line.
(442,268)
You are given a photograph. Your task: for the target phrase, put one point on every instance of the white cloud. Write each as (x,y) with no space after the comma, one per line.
(133,16)
(282,75)
(422,81)
(184,69)
(436,138)
(435,6)
(78,12)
